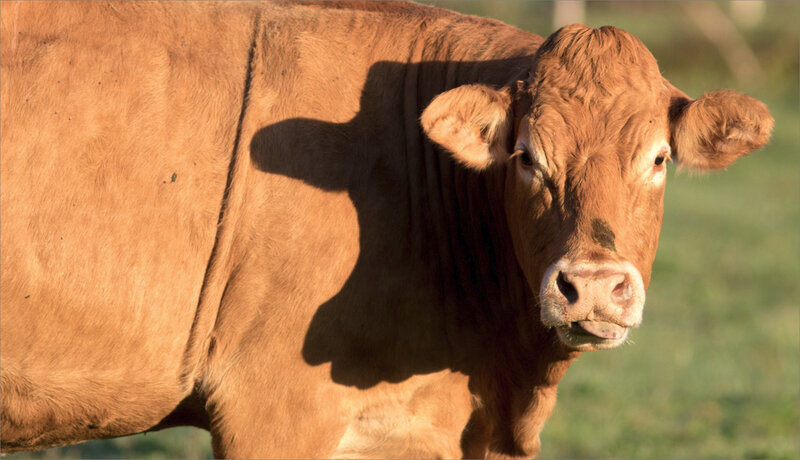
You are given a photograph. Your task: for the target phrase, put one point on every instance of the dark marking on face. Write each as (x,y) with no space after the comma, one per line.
(603,235)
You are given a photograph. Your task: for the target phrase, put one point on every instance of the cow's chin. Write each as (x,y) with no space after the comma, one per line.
(574,336)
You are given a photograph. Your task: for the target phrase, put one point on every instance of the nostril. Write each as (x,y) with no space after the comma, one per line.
(621,292)
(566,288)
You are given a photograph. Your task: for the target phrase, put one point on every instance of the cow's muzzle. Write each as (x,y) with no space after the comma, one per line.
(592,305)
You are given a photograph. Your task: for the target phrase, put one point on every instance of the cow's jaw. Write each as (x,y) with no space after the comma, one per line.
(592,305)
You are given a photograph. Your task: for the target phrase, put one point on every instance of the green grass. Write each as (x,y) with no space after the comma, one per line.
(713,371)
(184,443)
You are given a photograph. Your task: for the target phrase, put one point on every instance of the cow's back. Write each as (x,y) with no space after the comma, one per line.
(118,123)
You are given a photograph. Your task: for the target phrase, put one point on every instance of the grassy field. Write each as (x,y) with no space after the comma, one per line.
(713,371)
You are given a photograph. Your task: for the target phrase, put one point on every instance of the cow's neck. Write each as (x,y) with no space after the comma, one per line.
(497,338)
(460,227)
(484,288)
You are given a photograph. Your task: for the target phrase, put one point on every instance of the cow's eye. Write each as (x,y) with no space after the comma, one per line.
(660,160)
(524,156)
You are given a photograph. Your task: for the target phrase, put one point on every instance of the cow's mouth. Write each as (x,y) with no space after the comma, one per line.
(592,335)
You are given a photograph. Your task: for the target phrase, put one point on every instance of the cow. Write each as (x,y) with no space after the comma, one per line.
(325,230)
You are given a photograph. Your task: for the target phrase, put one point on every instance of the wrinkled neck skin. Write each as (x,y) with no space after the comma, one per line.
(496,336)
(521,361)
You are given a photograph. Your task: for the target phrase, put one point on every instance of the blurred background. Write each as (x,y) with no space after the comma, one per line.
(713,372)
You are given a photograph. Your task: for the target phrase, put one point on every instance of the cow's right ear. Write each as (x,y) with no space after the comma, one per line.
(472,122)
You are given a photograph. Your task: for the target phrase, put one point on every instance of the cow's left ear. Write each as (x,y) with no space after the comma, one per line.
(472,122)
(711,132)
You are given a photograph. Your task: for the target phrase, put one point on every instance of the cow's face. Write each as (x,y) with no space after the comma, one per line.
(585,142)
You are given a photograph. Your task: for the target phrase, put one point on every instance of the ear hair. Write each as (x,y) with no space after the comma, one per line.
(472,122)
(714,130)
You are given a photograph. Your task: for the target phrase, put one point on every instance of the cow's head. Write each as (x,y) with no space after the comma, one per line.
(585,141)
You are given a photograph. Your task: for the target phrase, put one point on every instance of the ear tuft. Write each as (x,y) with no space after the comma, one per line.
(713,131)
(472,122)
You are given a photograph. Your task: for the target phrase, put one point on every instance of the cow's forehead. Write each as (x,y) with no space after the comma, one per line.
(596,89)
(592,66)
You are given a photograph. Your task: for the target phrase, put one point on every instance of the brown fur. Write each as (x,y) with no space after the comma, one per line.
(228,216)
(473,121)
(717,128)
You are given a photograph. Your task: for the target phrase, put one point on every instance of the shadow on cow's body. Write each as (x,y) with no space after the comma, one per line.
(436,285)
(414,303)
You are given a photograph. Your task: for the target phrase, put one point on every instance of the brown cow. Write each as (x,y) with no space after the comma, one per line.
(230,216)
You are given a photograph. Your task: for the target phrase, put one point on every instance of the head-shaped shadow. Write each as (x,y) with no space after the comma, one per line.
(388,322)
